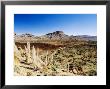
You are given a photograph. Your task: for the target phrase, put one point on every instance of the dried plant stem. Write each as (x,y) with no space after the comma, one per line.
(29,60)
(17,54)
(33,54)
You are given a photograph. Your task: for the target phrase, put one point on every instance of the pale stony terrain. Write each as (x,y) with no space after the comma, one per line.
(54,54)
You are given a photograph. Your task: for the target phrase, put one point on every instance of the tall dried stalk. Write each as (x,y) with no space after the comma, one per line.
(17,54)
(29,60)
(36,59)
(33,53)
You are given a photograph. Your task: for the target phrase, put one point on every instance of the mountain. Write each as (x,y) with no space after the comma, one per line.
(27,35)
(87,37)
(57,35)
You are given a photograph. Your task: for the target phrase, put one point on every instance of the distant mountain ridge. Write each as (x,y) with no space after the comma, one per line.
(60,35)
(87,37)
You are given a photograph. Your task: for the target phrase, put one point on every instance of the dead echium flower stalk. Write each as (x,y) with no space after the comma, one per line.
(36,59)
(17,55)
(29,60)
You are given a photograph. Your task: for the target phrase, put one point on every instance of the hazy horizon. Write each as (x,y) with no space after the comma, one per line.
(51,32)
(70,24)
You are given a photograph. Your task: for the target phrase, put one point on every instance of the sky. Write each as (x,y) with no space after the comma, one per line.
(41,24)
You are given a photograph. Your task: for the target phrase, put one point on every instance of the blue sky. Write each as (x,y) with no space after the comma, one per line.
(70,24)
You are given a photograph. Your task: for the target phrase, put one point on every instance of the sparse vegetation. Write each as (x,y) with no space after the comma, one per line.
(55,58)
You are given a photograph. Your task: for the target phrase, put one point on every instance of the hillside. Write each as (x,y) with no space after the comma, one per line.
(57,35)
